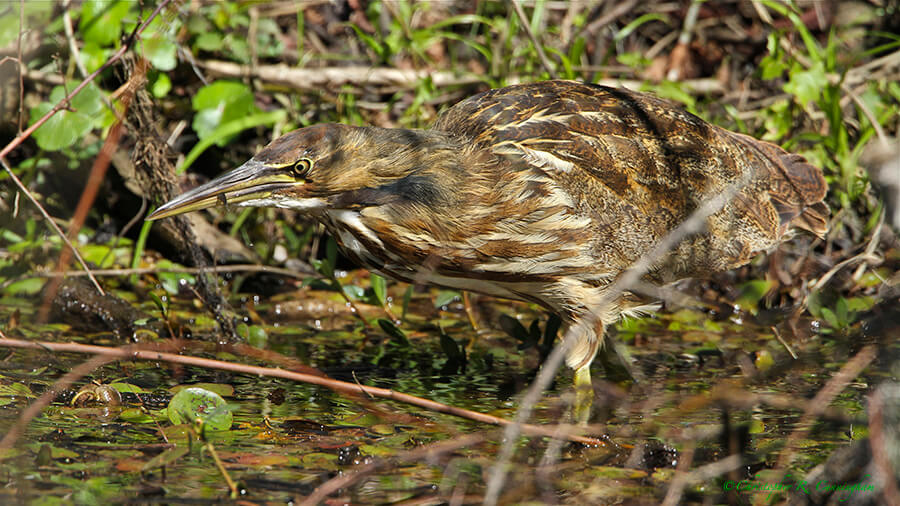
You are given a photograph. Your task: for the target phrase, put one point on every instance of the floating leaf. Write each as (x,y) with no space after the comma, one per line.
(223,389)
(192,403)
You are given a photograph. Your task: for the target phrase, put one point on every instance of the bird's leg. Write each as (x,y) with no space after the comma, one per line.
(579,357)
(584,394)
(470,313)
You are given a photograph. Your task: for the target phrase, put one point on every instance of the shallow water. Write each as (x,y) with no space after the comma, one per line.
(708,385)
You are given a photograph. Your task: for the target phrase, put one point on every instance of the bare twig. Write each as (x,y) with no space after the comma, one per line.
(619,10)
(51,222)
(783,342)
(21,65)
(145,353)
(523,20)
(334,77)
(70,38)
(868,256)
(427,453)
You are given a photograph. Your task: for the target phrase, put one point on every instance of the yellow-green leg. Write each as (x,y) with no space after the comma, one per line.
(584,394)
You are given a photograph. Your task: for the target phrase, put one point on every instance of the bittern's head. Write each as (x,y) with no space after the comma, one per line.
(331,166)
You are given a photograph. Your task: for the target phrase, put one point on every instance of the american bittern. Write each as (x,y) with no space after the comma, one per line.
(540,192)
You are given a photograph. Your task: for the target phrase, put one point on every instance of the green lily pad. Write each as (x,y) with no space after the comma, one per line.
(192,403)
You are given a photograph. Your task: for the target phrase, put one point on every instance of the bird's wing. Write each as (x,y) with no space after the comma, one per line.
(640,166)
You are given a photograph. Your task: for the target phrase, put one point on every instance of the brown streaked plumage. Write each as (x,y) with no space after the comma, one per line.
(542,192)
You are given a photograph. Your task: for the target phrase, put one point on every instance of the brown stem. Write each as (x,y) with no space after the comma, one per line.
(142,353)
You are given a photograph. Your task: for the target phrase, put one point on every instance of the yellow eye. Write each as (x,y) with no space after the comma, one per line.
(301,168)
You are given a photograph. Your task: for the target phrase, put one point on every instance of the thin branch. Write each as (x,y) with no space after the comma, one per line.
(145,353)
(70,38)
(537,45)
(868,256)
(20,65)
(616,12)
(427,453)
(52,223)
(334,77)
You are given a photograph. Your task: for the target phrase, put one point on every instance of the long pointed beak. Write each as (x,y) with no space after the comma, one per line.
(251,181)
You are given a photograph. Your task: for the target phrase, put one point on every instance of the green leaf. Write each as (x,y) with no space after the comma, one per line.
(62,130)
(220,103)
(135,415)
(162,306)
(807,85)
(161,52)
(842,312)
(66,127)
(192,403)
(445,297)
(223,389)
(752,292)
(157,44)
(390,329)
(101,20)
(379,286)
(161,85)
(226,131)
(354,292)
(28,286)
(209,41)
(16,390)
(632,26)
(127,388)
(830,318)
(93,56)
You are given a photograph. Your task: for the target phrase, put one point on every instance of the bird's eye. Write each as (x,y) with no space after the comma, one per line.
(301,168)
